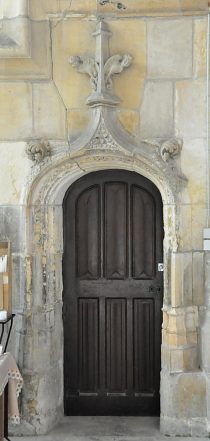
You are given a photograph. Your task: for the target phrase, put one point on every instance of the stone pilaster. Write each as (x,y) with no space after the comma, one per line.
(179,339)
(205,333)
(180,319)
(183,385)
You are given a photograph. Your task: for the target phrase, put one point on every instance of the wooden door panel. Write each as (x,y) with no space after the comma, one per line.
(115,246)
(88,234)
(88,321)
(116,346)
(143,336)
(143,239)
(113,235)
(128,288)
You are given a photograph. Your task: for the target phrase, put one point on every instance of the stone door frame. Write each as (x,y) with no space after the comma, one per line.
(104,146)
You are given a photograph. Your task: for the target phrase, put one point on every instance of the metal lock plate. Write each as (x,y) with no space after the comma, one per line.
(160,267)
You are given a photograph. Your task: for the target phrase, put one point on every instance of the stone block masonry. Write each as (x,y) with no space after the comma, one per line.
(163,98)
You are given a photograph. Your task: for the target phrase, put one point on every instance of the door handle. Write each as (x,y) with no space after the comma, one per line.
(155,289)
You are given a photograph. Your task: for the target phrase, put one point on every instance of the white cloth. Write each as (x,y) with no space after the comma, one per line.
(9,373)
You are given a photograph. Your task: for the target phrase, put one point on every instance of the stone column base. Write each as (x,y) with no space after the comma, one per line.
(183,404)
(195,427)
(37,425)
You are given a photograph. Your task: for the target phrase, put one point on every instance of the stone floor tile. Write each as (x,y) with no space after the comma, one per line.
(106,429)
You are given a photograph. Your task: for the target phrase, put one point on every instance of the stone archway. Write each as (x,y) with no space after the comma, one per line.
(104,146)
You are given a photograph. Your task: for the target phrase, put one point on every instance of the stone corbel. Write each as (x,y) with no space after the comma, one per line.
(38,150)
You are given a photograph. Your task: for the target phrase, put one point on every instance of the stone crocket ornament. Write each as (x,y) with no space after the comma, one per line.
(101,68)
(86,65)
(170,148)
(37,150)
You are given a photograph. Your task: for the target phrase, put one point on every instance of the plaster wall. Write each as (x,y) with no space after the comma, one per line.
(164,95)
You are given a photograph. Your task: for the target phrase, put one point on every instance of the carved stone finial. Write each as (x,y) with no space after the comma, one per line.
(101,68)
(170,148)
(37,150)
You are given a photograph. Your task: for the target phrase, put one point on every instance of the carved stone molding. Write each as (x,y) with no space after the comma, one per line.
(15,33)
(38,150)
(103,145)
(103,140)
(11,9)
(15,36)
(6,41)
(20,39)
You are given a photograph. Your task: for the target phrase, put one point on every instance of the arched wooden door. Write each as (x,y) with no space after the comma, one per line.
(113,236)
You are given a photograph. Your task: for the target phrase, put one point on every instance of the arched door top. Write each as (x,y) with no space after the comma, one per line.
(113,241)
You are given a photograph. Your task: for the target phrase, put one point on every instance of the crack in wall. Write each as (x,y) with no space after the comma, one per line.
(63,14)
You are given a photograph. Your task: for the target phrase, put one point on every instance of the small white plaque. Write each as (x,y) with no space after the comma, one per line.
(206,233)
(206,244)
(3,314)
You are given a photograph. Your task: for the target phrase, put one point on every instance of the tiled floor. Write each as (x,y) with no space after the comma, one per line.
(106,429)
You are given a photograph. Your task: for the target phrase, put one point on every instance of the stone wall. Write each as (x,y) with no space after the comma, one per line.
(164,96)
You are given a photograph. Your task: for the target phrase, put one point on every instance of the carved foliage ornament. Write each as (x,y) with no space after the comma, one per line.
(86,65)
(38,150)
(101,68)
(114,65)
(103,140)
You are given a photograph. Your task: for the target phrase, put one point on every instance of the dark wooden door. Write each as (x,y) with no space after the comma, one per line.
(113,236)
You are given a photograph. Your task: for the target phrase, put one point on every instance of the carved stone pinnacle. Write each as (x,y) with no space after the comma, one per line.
(101,68)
